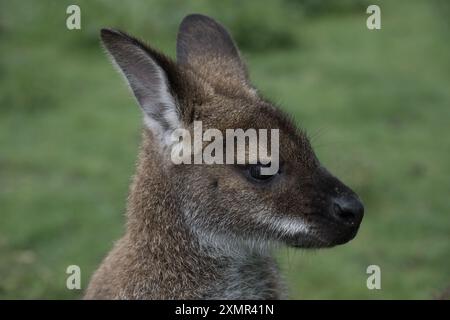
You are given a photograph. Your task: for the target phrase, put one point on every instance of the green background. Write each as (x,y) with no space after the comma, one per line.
(377,104)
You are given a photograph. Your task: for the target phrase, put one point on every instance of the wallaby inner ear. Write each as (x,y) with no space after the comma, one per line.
(206,45)
(146,72)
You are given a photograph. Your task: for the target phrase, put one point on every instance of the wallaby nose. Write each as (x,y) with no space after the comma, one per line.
(348,209)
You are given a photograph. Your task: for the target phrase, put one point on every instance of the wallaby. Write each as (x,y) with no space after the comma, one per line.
(197,231)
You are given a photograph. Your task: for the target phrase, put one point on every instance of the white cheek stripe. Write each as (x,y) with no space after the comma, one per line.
(286,225)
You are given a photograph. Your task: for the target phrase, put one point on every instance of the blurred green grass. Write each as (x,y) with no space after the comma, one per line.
(376,103)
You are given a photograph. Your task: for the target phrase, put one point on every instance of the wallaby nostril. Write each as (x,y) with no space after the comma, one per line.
(348,209)
(337,209)
(343,213)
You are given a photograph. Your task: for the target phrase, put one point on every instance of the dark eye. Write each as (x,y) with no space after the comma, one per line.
(254,171)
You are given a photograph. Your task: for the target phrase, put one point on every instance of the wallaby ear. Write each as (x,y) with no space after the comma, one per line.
(205,44)
(148,74)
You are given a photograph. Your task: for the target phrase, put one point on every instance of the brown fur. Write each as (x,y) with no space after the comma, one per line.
(198,231)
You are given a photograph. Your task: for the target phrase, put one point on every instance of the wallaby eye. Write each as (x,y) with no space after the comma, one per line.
(254,171)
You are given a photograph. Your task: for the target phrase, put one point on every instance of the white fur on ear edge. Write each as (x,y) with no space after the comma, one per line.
(147,80)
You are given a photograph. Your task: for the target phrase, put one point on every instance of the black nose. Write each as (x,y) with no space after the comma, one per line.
(348,209)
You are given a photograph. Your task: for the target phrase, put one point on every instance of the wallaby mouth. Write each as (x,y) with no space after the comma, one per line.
(335,216)
(327,232)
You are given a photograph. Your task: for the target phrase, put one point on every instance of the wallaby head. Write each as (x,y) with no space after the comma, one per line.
(301,204)
(202,229)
